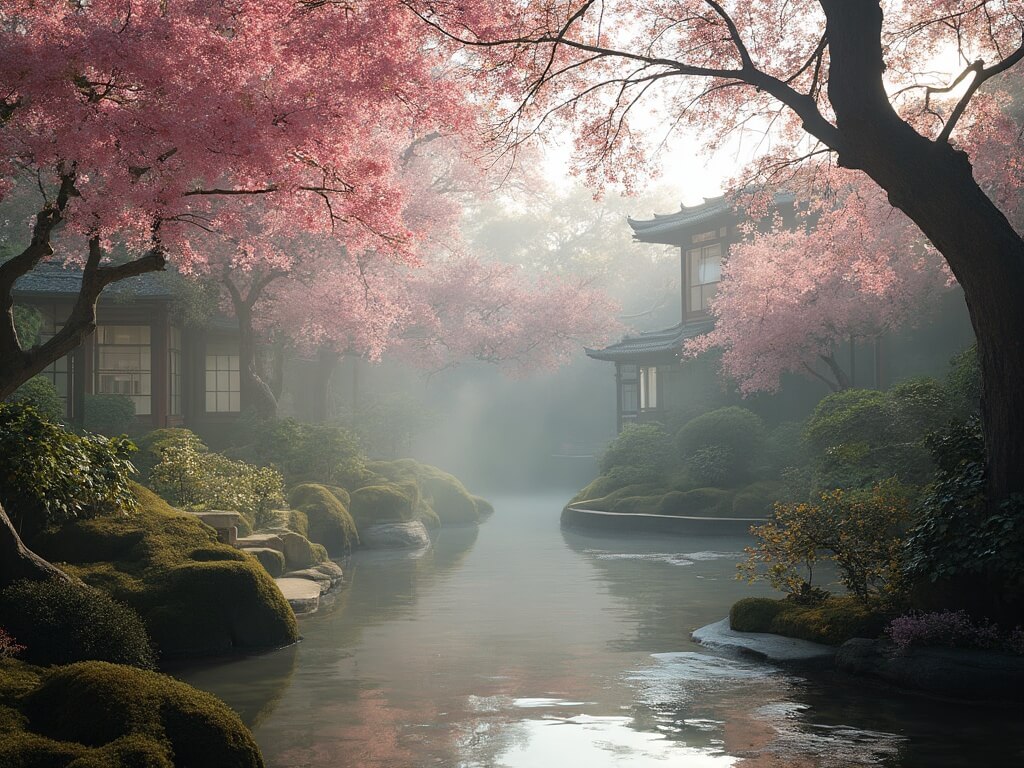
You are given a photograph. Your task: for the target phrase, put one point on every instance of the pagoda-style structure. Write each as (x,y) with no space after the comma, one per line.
(648,369)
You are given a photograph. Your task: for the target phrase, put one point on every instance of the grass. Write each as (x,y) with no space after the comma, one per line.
(833,621)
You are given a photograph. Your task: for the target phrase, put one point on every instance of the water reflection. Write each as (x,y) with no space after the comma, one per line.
(519,645)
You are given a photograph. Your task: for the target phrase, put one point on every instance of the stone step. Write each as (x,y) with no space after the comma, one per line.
(260,541)
(302,595)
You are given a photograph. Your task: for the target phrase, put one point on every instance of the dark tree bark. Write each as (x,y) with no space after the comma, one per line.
(18,561)
(257,396)
(18,365)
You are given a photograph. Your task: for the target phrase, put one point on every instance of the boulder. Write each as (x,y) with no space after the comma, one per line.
(298,552)
(763,645)
(408,535)
(260,541)
(270,559)
(968,673)
(302,595)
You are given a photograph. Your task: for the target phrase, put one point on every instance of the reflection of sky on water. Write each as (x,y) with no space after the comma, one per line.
(526,647)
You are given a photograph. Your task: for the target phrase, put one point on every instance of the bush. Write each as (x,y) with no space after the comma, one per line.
(328,522)
(957,534)
(195,595)
(700,502)
(377,504)
(757,499)
(785,447)
(318,453)
(119,716)
(733,437)
(61,622)
(40,393)
(862,533)
(963,382)
(646,447)
(954,629)
(49,475)
(190,475)
(150,448)
(109,414)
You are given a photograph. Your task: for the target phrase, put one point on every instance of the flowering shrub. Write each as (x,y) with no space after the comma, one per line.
(952,628)
(190,475)
(8,646)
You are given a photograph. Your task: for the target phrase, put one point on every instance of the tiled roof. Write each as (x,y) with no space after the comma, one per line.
(53,278)
(669,340)
(668,227)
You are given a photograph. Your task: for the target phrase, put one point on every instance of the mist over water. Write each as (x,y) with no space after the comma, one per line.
(517,644)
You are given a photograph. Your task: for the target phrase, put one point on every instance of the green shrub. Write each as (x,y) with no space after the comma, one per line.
(40,393)
(150,448)
(700,502)
(109,414)
(28,322)
(957,534)
(785,447)
(963,382)
(123,716)
(319,453)
(48,474)
(642,446)
(329,522)
(726,443)
(188,474)
(195,595)
(853,416)
(60,622)
(861,532)
(757,499)
(754,614)
(376,504)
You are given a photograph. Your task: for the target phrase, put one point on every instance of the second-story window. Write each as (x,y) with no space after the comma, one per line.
(648,388)
(703,271)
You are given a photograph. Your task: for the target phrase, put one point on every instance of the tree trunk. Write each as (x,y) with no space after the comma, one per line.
(18,561)
(326,362)
(933,183)
(256,395)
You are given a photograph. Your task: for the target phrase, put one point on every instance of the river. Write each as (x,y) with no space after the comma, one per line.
(520,645)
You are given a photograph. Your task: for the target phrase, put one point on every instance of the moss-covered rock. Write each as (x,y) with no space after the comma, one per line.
(60,622)
(328,520)
(195,595)
(438,490)
(270,559)
(832,621)
(99,715)
(484,508)
(376,504)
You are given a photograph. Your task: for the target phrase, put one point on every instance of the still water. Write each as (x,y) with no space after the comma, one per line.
(524,646)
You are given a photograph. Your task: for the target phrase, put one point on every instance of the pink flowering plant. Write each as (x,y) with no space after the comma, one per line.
(953,629)
(8,646)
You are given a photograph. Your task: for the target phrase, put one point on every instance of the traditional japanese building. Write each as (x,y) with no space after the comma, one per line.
(649,375)
(174,376)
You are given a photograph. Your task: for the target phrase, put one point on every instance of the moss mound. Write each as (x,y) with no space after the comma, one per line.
(61,622)
(375,504)
(99,715)
(832,621)
(328,520)
(439,490)
(194,595)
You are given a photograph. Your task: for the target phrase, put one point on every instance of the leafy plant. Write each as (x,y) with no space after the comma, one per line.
(110,414)
(861,532)
(952,628)
(726,443)
(644,446)
(8,645)
(40,393)
(304,452)
(190,475)
(48,474)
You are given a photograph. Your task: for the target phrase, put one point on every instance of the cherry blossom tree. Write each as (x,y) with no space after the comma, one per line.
(146,125)
(847,79)
(789,298)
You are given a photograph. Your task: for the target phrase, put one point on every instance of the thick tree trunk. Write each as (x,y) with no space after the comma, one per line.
(257,397)
(19,562)
(933,183)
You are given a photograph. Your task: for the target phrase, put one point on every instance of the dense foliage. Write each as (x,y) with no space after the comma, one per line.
(40,393)
(109,414)
(319,453)
(48,474)
(646,449)
(190,475)
(860,532)
(61,622)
